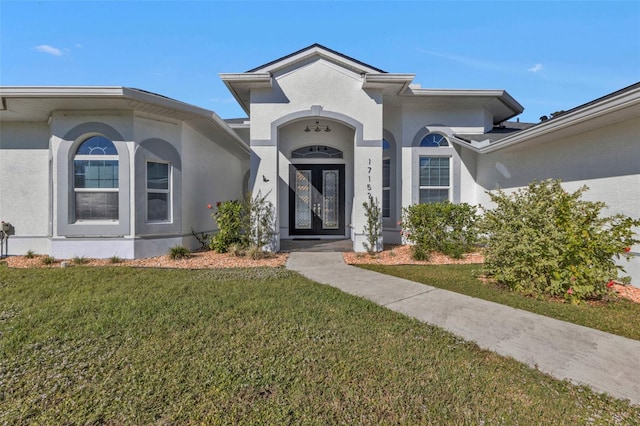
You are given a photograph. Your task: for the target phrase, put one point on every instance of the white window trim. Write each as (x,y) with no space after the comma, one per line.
(158,191)
(86,157)
(448,187)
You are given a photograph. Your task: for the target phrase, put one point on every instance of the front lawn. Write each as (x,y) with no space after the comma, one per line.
(621,317)
(253,346)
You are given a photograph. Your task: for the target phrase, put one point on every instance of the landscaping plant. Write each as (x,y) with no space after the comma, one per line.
(440,227)
(179,252)
(243,225)
(373,225)
(228,216)
(545,240)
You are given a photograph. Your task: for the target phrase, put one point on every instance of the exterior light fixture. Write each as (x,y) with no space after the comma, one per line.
(318,128)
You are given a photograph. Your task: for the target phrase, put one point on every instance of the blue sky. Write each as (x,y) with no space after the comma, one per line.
(548,55)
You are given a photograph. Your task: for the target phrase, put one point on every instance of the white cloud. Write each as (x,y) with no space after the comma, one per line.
(45,48)
(536,68)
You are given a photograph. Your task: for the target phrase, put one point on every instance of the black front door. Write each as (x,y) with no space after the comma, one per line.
(316,199)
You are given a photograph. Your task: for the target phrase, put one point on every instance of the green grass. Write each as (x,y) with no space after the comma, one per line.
(250,346)
(618,316)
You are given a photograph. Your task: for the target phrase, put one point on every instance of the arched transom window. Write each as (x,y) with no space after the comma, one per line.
(95,180)
(316,151)
(434,140)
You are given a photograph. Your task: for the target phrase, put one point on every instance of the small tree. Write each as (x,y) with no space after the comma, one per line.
(544,240)
(373,225)
(258,222)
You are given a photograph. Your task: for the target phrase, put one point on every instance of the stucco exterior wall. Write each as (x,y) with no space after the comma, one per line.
(607,160)
(210,174)
(25,191)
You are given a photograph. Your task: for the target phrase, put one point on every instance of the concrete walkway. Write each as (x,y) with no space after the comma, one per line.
(605,362)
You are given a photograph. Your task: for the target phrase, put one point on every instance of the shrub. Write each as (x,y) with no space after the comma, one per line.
(80,260)
(48,260)
(115,259)
(244,224)
(236,250)
(30,254)
(373,225)
(542,240)
(228,216)
(440,227)
(179,252)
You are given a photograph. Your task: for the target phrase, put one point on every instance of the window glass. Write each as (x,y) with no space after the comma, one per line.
(157,176)
(157,207)
(158,192)
(316,151)
(95,180)
(386,187)
(433,140)
(434,179)
(96,205)
(95,173)
(97,145)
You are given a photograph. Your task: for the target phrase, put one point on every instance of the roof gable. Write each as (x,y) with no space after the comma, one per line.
(316,50)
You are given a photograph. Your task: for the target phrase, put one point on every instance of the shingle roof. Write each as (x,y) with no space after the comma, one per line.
(508,128)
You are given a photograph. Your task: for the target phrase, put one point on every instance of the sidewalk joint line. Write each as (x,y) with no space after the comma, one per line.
(409,297)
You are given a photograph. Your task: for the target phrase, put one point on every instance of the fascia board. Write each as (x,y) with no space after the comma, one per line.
(238,83)
(387,81)
(608,106)
(60,91)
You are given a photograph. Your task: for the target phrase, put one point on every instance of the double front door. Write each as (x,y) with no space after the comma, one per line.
(316,199)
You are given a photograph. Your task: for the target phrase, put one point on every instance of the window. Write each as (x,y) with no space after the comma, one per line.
(95,180)
(316,151)
(433,140)
(386,180)
(434,179)
(158,192)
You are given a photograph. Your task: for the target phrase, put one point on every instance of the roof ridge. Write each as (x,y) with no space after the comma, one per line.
(316,45)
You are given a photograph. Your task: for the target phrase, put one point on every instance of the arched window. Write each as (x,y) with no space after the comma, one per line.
(433,140)
(316,151)
(95,180)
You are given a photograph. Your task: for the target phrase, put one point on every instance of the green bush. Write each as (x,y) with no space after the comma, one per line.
(242,225)
(440,227)
(48,260)
(30,254)
(115,259)
(179,252)
(80,260)
(542,240)
(229,218)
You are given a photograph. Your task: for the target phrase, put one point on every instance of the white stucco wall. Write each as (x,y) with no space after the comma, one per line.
(320,90)
(607,160)
(210,174)
(25,185)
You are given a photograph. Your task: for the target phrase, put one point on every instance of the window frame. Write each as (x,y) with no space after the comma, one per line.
(77,190)
(386,158)
(448,187)
(167,191)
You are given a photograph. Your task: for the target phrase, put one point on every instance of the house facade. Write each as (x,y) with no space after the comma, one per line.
(323,133)
(111,171)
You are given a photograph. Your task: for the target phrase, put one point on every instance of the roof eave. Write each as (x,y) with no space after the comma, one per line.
(579,116)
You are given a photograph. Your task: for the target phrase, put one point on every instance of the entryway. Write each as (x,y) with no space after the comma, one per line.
(316,199)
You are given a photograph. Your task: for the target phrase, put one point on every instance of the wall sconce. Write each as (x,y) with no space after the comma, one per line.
(318,128)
